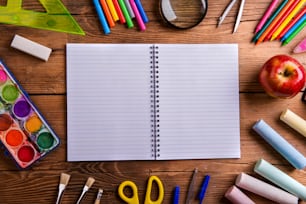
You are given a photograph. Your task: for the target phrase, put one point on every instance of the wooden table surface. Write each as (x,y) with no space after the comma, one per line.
(46,84)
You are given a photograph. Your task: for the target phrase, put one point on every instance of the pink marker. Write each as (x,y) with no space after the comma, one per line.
(301,47)
(139,20)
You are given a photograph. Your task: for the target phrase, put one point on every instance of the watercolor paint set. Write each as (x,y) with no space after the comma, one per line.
(24,132)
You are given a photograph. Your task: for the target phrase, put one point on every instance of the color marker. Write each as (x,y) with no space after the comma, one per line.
(292,155)
(301,47)
(139,20)
(176,196)
(129,8)
(126,14)
(204,188)
(107,13)
(119,11)
(266,15)
(278,177)
(141,11)
(112,10)
(267,24)
(264,189)
(292,12)
(101,17)
(294,121)
(292,23)
(236,196)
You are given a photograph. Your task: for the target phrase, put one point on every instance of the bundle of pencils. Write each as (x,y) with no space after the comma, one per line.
(281,21)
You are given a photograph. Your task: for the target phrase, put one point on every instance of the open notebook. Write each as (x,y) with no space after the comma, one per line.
(152,101)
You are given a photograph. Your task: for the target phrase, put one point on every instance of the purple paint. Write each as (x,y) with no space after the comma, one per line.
(21,108)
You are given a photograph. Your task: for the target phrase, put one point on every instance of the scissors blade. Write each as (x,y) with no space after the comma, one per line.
(238,19)
(226,11)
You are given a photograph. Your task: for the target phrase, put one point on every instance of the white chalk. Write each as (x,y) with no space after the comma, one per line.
(264,189)
(30,47)
(236,196)
(294,121)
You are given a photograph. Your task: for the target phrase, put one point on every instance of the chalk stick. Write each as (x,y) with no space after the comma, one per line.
(264,189)
(236,196)
(30,47)
(294,121)
(293,156)
(281,179)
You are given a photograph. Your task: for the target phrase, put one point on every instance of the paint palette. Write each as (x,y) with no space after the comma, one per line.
(24,133)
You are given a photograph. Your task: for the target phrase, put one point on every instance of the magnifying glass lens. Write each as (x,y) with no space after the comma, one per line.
(183,13)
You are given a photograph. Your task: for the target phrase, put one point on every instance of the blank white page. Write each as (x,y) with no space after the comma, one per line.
(198,101)
(108,102)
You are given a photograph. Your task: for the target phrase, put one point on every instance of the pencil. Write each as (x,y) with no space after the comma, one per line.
(292,13)
(292,22)
(266,15)
(295,32)
(112,10)
(267,24)
(281,17)
(107,13)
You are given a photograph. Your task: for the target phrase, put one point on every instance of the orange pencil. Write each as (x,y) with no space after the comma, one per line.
(107,13)
(283,18)
(291,23)
(273,23)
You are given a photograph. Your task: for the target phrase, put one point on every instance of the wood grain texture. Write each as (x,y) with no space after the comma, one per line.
(46,84)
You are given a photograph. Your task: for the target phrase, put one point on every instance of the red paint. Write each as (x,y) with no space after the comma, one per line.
(26,154)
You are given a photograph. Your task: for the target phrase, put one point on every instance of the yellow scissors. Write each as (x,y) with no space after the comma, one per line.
(135,199)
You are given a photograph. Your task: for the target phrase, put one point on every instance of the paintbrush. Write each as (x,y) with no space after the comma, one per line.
(99,195)
(87,186)
(64,179)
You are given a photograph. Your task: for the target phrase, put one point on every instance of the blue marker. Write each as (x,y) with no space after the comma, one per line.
(176,196)
(141,11)
(294,27)
(203,188)
(101,16)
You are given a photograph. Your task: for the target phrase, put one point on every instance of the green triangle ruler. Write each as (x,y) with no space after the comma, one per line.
(57,17)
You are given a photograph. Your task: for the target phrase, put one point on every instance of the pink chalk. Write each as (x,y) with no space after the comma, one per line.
(264,189)
(236,196)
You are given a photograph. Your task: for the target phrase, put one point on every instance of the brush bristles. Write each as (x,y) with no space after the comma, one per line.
(64,178)
(89,182)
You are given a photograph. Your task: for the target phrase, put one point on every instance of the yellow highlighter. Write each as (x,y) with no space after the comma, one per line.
(112,10)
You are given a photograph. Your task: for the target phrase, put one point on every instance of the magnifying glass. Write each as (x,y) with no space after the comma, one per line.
(183,14)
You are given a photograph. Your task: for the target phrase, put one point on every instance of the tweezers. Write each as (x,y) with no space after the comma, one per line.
(227,10)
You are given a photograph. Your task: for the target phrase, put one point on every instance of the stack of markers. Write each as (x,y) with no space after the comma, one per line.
(110,11)
(281,21)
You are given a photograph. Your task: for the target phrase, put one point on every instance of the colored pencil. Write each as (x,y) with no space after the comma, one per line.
(294,27)
(266,15)
(299,29)
(282,17)
(261,34)
(112,10)
(107,13)
(292,22)
(295,9)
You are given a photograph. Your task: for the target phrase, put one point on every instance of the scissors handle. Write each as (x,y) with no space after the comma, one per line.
(149,190)
(131,200)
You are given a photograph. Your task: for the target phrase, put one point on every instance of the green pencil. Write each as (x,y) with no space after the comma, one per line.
(126,14)
(266,25)
(294,33)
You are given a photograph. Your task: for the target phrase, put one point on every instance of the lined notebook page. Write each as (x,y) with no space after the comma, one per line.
(198,101)
(108,102)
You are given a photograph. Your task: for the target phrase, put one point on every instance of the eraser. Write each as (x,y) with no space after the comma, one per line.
(236,196)
(30,47)
(264,189)
(292,155)
(281,179)
(294,121)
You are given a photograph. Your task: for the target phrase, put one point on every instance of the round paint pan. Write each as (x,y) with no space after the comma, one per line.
(5,122)
(45,140)
(26,153)
(9,93)
(33,124)
(14,137)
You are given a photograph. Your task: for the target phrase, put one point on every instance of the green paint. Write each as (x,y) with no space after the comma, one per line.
(45,140)
(10,93)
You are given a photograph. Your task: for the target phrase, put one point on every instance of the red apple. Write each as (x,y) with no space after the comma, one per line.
(282,76)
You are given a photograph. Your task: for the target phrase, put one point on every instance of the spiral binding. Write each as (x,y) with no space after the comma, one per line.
(155,137)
